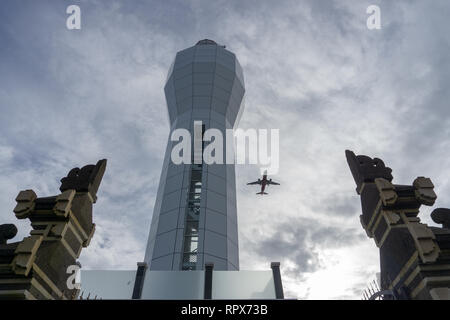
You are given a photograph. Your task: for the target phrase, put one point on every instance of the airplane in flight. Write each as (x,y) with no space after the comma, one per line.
(264,182)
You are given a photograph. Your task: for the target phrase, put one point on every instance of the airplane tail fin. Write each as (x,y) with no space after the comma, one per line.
(261,193)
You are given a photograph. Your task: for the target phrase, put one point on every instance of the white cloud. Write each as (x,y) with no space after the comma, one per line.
(312,69)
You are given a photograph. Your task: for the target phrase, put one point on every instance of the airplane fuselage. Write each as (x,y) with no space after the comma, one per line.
(263,183)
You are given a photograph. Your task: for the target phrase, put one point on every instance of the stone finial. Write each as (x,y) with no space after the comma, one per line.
(441,216)
(366,169)
(86,179)
(7,232)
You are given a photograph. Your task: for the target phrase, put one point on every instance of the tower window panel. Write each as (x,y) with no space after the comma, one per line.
(190,258)
(190,244)
(191,228)
(193,214)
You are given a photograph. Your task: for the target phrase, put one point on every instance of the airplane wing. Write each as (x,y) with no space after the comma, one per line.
(273,182)
(255,182)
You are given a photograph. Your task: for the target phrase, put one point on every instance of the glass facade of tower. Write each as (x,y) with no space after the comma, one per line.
(194,219)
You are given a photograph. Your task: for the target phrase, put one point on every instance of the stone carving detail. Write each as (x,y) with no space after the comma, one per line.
(414,257)
(36,267)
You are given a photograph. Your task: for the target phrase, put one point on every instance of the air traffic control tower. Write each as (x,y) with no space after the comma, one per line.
(194,217)
(192,250)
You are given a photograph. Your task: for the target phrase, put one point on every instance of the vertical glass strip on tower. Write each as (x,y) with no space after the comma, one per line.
(193,210)
(192,220)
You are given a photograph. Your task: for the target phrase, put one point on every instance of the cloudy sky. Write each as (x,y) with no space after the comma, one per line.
(312,69)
